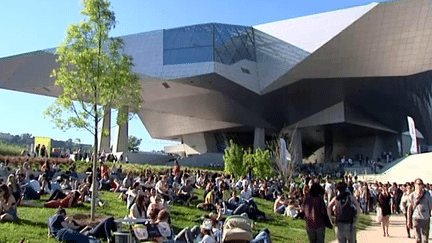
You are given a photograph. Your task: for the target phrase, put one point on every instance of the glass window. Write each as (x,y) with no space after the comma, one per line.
(189,44)
(209,42)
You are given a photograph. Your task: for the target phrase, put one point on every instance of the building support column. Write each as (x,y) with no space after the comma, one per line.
(328,144)
(297,147)
(121,142)
(259,138)
(105,141)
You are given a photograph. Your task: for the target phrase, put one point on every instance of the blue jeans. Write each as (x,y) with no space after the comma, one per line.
(281,209)
(262,237)
(29,193)
(70,235)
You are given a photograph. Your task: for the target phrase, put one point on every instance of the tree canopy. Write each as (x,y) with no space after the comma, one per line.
(134,144)
(94,74)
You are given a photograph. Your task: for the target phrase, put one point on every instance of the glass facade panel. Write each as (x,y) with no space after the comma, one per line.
(226,44)
(189,44)
(234,43)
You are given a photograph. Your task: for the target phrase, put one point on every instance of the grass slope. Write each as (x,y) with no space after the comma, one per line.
(10,149)
(33,224)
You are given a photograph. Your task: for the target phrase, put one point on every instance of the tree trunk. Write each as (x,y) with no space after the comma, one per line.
(94,186)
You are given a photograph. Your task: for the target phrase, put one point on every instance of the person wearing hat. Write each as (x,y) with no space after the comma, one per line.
(205,235)
(201,234)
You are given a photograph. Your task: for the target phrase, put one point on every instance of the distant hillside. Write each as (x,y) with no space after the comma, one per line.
(27,140)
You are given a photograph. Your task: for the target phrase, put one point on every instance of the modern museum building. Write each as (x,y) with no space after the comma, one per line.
(342,83)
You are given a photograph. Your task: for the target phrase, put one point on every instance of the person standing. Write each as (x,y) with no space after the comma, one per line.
(419,211)
(329,190)
(315,210)
(383,202)
(346,209)
(405,205)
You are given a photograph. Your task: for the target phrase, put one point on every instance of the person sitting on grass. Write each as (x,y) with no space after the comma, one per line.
(164,226)
(236,206)
(8,207)
(138,209)
(186,193)
(32,188)
(66,229)
(162,188)
(14,189)
(280,204)
(293,209)
(209,202)
(131,194)
(198,234)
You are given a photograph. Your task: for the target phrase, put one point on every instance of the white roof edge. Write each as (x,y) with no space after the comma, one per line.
(313,31)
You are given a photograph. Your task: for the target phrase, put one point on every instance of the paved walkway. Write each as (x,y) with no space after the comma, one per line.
(374,233)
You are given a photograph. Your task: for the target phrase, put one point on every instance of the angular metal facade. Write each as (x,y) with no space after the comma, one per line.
(351,95)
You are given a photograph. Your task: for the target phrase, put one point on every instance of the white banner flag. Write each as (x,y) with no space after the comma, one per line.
(283,152)
(412,132)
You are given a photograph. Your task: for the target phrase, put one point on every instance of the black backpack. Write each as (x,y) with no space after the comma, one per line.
(347,211)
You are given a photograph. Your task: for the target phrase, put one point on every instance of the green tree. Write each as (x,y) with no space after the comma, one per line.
(233,158)
(262,164)
(94,74)
(134,143)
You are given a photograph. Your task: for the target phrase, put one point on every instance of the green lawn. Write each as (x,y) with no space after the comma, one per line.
(33,224)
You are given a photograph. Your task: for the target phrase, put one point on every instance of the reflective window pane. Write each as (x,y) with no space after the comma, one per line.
(209,42)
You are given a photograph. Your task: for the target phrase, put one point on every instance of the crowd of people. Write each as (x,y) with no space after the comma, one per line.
(148,196)
(325,203)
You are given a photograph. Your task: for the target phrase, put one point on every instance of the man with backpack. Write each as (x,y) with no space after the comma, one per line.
(345,208)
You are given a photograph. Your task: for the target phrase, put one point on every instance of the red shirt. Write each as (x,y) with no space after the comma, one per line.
(314,209)
(104,171)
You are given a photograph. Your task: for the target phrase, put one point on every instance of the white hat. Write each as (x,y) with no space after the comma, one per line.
(207,224)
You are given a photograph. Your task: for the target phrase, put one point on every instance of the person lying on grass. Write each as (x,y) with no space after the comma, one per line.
(66,229)
(70,200)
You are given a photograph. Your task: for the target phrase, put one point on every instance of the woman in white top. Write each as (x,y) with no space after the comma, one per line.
(138,210)
(405,203)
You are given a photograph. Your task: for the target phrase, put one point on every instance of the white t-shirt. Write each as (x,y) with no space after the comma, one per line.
(160,187)
(329,189)
(205,239)
(246,194)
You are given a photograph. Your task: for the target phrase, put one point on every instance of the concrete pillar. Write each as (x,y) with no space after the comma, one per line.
(328,144)
(104,142)
(259,138)
(121,138)
(297,147)
(378,148)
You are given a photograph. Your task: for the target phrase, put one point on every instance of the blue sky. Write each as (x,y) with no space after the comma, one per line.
(28,25)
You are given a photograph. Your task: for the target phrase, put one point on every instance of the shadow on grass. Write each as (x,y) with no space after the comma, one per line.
(31,223)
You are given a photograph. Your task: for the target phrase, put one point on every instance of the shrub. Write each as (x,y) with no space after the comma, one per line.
(10,149)
(233,158)
(262,164)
